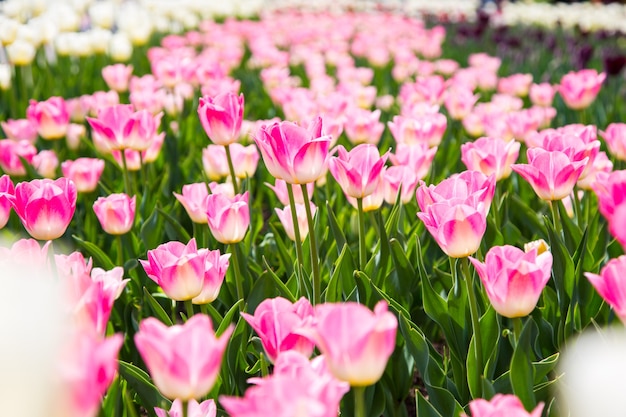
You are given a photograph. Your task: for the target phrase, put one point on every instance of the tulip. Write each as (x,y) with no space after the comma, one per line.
(542,94)
(501,405)
(11,153)
(280,189)
(427,129)
(551,173)
(183,360)
(275,321)
(117,76)
(193,199)
(116,213)
(611,192)
(20,129)
(112,280)
(292,153)
(455,211)
(6,191)
(355,341)
(610,285)
(51,117)
(579,89)
(92,307)
(490,156)
(45,207)
(418,157)
(297,387)
(515,85)
(120,127)
(179,269)
(286,220)
(46,163)
(459,102)
(215,269)
(359,171)
(84,172)
(206,408)
(576,141)
(87,368)
(615,138)
(221,117)
(228,218)
(514,279)
(399,179)
(363,126)
(245,160)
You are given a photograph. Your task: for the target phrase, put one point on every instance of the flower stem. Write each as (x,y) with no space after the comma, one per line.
(185,407)
(362,254)
(517,328)
(317,285)
(231,168)
(556,219)
(120,250)
(127,186)
(237,272)
(475,316)
(359,401)
(189,308)
(298,241)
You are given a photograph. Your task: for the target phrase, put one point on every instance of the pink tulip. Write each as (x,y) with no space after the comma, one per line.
(459,102)
(601,167)
(490,156)
(20,129)
(28,255)
(610,285)
(84,172)
(577,143)
(45,207)
(51,117)
(501,405)
(46,163)
(355,341)
(371,202)
(363,126)
(611,192)
(615,138)
(515,85)
(10,153)
(542,94)
(86,370)
(224,188)
(116,213)
(193,199)
(245,160)
(228,218)
(418,157)
(102,99)
(6,190)
(215,163)
(284,216)
(184,360)
(92,308)
(206,408)
(119,127)
(513,278)
(399,179)
(179,269)
(359,171)
(117,76)
(280,189)
(455,211)
(551,173)
(215,269)
(484,61)
(292,153)
(112,280)
(297,387)
(221,117)
(579,89)
(275,320)
(427,129)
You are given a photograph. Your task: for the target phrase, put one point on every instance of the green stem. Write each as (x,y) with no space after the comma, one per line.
(362,254)
(237,272)
(298,241)
(556,219)
(517,328)
(475,317)
(359,401)
(495,208)
(120,250)
(127,186)
(576,206)
(189,308)
(185,407)
(315,263)
(264,367)
(231,168)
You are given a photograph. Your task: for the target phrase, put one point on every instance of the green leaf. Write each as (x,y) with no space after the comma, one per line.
(96,253)
(183,235)
(152,231)
(545,366)
(156,308)
(285,292)
(522,371)
(424,408)
(336,229)
(340,282)
(140,382)
(228,318)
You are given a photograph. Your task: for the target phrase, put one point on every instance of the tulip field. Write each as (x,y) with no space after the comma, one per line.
(365,212)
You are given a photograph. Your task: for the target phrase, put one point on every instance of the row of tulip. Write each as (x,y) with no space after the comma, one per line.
(375,294)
